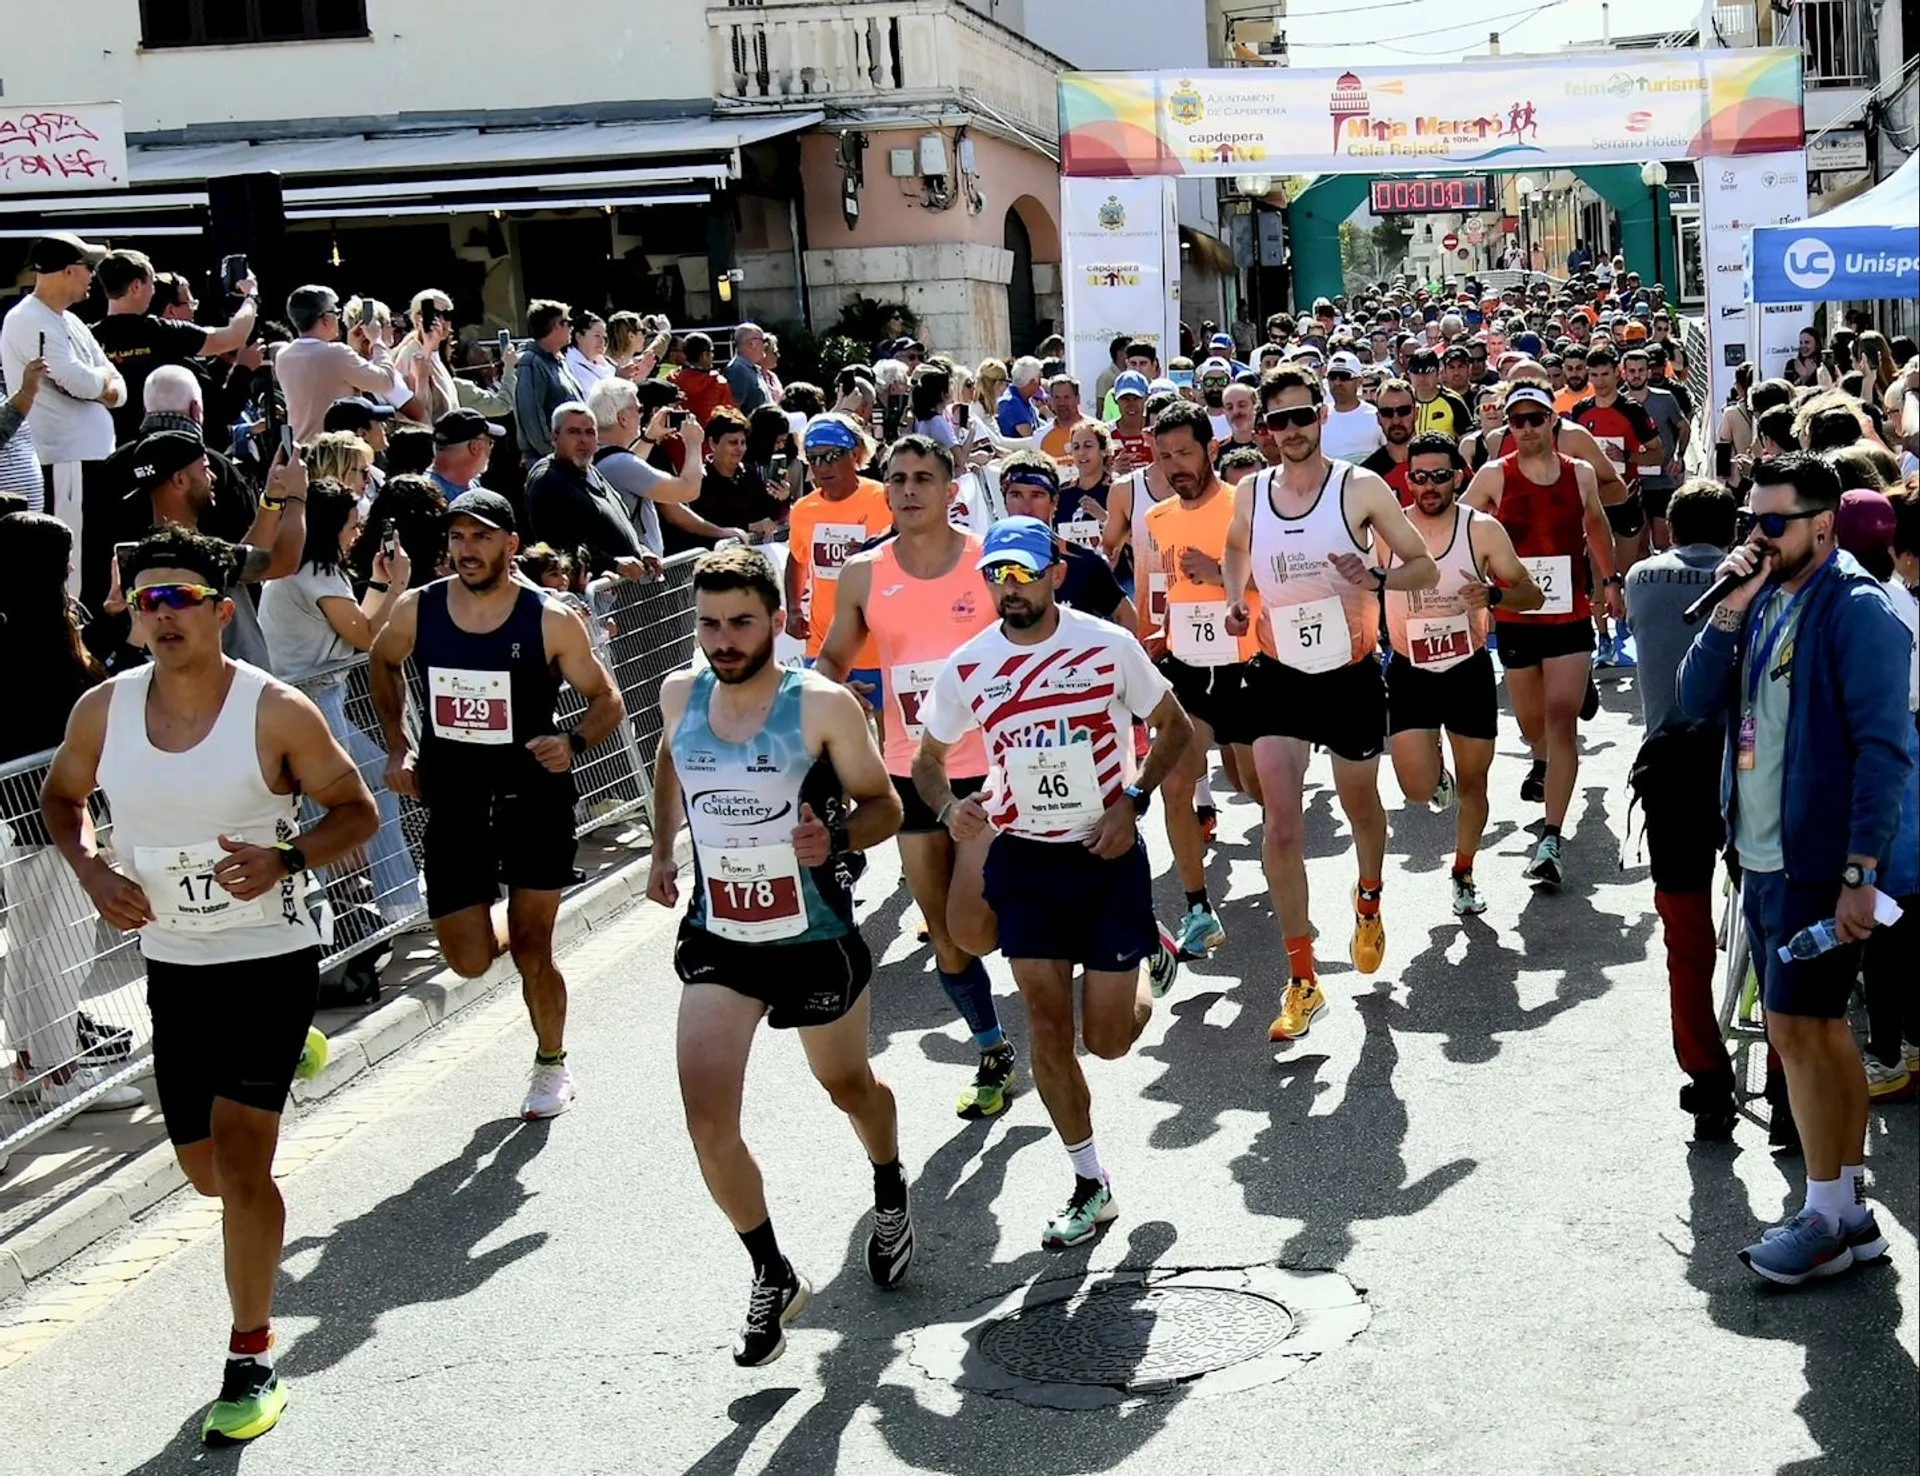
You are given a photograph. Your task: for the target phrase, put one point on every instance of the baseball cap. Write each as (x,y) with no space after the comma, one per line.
(352,413)
(58,250)
(1027,542)
(1423,361)
(1456,353)
(160,455)
(1133,382)
(484,507)
(1216,366)
(1221,343)
(1865,521)
(457,427)
(1633,332)
(1344,364)
(1162,386)
(1530,394)
(1528,344)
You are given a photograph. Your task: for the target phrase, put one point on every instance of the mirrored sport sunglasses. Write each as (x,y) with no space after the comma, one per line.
(826,457)
(151,597)
(1430,478)
(1298,418)
(1528,419)
(1771,524)
(1014,574)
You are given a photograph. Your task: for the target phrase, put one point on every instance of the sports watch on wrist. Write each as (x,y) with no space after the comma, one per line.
(1856,875)
(577,741)
(1379,578)
(1142,798)
(292,857)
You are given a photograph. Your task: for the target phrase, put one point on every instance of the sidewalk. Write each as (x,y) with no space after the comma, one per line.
(100,1171)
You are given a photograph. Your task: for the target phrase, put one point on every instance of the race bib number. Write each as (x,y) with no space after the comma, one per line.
(186,899)
(1436,644)
(833,545)
(1156,597)
(1081,533)
(471,706)
(1615,448)
(1197,633)
(1055,788)
(1311,637)
(1554,575)
(911,684)
(753,892)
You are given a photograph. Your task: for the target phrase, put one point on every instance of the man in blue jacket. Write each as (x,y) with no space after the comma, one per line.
(1805,662)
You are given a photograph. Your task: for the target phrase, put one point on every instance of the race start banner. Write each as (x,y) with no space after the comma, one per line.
(1119,270)
(1523,113)
(1736,195)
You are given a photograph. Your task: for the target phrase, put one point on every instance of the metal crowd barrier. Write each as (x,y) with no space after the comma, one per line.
(71,985)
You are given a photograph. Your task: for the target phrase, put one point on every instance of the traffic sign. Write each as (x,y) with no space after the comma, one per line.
(1450,241)
(1476,230)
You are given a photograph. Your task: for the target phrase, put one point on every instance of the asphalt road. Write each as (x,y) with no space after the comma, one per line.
(1483,1138)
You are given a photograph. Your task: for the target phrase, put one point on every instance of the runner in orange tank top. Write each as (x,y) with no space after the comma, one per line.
(912,602)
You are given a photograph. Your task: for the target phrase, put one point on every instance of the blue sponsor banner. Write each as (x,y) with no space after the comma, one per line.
(1796,263)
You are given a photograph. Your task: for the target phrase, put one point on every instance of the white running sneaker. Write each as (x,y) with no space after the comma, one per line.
(1443,793)
(85,1079)
(549,1091)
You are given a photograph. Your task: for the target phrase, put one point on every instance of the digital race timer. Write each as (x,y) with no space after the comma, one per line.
(1426,196)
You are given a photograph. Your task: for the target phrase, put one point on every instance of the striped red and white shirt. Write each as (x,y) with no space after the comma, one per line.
(1084,685)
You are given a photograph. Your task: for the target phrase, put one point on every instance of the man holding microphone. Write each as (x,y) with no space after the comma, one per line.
(1804,661)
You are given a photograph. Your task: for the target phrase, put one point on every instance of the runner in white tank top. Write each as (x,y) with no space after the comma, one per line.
(1440,676)
(201,759)
(1300,531)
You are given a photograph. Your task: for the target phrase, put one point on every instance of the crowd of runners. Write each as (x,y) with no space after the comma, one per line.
(1025,633)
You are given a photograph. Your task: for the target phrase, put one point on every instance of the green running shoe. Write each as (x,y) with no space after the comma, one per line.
(250,1403)
(313,1056)
(1091,1207)
(991,1086)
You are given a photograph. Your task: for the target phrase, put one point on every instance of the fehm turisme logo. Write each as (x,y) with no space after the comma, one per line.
(1185,105)
(1113,215)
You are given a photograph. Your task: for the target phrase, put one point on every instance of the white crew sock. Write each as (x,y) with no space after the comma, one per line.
(1853,1195)
(1086,1162)
(1203,793)
(1829,1199)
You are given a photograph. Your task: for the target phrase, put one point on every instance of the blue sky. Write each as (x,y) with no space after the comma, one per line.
(1328,33)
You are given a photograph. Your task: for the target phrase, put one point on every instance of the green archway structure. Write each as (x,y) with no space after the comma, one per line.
(1314,217)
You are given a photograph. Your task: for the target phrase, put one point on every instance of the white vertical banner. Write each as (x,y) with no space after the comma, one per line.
(1117,238)
(1737,194)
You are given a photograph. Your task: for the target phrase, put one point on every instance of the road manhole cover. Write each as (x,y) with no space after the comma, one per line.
(1132,1336)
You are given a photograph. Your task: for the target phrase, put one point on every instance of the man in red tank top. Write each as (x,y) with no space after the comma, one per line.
(1630,441)
(917,598)
(1550,507)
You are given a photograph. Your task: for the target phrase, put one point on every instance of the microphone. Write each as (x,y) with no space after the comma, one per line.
(1725,585)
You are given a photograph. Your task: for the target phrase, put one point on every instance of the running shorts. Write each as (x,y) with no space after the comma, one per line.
(1628,516)
(916,818)
(1057,900)
(477,843)
(1524,643)
(1343,711)
(1463,699)
(232,1030)
(1213,694)
(1655,500)
(802,984)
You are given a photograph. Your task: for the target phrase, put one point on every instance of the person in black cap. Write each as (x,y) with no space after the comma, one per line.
(173,400)
(366,418)
(72,426)
(170,471)
(493,769)
(1435,407)
(462,447)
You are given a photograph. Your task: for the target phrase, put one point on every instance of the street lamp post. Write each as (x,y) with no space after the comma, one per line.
(1524,188)
(1653,174)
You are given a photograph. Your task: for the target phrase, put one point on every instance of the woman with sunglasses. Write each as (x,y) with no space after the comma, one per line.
(209,866)
(1489,406)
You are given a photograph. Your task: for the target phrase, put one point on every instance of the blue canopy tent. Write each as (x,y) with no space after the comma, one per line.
(1866,249)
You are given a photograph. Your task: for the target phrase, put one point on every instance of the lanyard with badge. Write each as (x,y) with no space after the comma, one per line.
(1760,654)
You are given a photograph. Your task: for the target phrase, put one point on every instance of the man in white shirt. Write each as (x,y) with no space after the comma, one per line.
(71,418)
(1352,429)
(317,368)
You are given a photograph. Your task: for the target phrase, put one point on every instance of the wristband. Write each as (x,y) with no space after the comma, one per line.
(1495,594)
(945,810)
(376,588)
(577,741)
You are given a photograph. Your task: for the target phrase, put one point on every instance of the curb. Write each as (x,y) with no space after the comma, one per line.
(149,1177)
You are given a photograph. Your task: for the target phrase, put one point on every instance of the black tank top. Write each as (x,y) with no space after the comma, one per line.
(486,695)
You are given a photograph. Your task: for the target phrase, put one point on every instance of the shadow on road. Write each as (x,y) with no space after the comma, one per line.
(1858,1403)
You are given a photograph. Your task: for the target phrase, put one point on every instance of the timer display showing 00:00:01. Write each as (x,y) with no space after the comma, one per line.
(1415,196)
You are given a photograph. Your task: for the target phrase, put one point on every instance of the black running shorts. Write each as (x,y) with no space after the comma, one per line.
(1213,694)
(232,1030)
(1525,643)
(916,818)
(1463,699)
(1343,711)
(1628,517)
(476,843)
(802,984)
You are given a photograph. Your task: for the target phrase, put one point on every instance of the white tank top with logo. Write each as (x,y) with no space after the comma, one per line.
(1434,628)
(1312,619)
(169,812)
(1150,585)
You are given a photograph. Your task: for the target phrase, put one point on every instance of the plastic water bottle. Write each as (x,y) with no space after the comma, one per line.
(1811,942)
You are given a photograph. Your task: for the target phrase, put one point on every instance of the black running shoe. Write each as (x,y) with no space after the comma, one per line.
(1712,1106)
(771,1305)
(1590,708)
(99,1042)
(1533,788)
(890,1247)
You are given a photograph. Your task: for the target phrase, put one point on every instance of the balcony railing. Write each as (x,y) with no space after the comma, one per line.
(1838,38)
(877,51)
